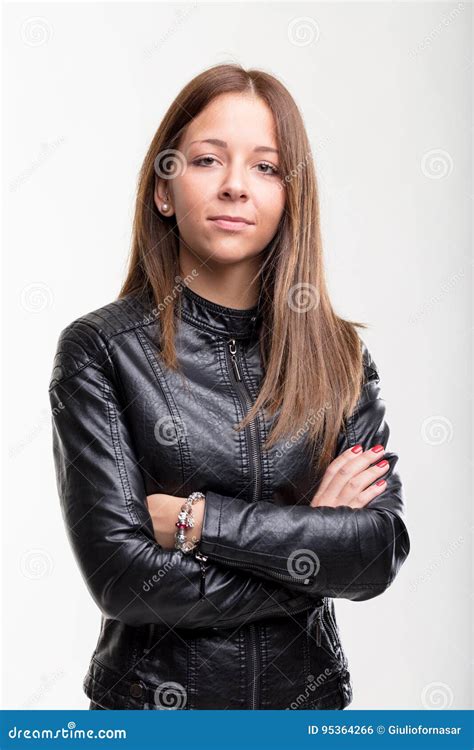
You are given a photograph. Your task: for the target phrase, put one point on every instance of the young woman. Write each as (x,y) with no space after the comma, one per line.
(219,435)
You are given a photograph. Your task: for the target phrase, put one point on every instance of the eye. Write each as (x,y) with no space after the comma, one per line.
(206,161)
(270,166)
(198,162)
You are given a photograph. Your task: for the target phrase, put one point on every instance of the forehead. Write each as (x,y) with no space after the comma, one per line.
(236,119)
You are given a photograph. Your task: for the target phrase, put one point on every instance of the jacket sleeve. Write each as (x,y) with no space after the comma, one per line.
(345,552)
(103,501)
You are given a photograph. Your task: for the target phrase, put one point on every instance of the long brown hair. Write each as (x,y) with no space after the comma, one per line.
(312,358)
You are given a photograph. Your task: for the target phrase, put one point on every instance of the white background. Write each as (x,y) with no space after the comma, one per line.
(385,91)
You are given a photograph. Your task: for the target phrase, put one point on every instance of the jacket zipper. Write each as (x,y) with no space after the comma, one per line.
(268,571)
(202,559)
(278,576)
(256,471)
(252,427)
(330,629)
(323,621)
(253,633)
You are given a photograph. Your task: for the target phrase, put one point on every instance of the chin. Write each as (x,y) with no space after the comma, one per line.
(226,250)
(223,257)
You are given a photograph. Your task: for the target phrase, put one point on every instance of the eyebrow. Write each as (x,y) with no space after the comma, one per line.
(223,144)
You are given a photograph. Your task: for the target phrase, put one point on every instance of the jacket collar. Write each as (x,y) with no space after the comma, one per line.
(225,321)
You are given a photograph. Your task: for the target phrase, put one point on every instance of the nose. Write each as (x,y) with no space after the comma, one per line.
(234,183)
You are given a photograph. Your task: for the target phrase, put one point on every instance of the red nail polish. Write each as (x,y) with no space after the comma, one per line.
(380,482)
(377,448)
(382,463)
(356,449)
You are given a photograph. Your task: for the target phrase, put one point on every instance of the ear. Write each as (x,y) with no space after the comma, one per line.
(158,193)
(162,195)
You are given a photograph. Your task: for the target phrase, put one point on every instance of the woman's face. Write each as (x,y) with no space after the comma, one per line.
(231,168)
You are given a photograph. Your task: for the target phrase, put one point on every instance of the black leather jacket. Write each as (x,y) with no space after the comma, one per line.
(239,623)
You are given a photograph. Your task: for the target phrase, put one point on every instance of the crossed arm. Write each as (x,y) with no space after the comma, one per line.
(253,550)
(350,542)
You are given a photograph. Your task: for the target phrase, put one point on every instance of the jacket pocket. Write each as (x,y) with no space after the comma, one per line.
(329,623)
(329,681)
(326,656)
(334,696)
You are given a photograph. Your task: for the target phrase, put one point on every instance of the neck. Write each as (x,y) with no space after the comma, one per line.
(233,286)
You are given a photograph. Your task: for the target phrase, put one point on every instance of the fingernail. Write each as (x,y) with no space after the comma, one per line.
(377,448)
(380,482)
(356,449)
(382,463)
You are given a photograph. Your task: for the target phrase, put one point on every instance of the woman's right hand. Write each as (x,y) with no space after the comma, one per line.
(348,479)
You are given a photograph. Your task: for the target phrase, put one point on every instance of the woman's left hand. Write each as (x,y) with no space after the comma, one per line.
(164,511)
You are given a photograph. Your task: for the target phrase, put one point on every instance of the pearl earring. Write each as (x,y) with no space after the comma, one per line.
(164,207)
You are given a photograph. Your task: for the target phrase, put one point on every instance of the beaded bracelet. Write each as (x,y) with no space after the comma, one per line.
(186,521)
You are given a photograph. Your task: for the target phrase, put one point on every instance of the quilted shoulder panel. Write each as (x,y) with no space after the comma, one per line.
(85,339)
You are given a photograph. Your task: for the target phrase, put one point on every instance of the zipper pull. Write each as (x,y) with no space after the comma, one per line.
(202,559)
(233,352)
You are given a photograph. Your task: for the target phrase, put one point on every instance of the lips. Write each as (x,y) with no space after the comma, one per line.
(238,219)
(231,223)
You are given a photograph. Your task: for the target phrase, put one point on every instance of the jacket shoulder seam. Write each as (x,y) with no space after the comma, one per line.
(100,339)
